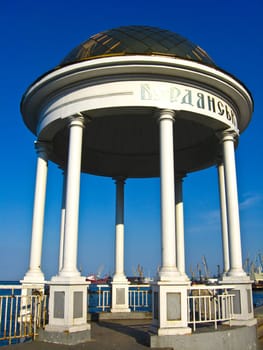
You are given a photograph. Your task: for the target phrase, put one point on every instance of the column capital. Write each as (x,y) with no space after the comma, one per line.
(43,149)
(119,179)
(78,119)
(62,168)
(179,177)
(219,159)
(166,114)
(228,135)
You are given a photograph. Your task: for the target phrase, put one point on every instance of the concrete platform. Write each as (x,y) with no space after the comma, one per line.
(259,316)
(224,338)
(105,335)
(123,335)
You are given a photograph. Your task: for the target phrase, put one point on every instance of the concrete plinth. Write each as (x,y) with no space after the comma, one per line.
(66,337)
(226,338)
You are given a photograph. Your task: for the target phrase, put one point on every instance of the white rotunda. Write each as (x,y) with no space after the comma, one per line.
(137,102)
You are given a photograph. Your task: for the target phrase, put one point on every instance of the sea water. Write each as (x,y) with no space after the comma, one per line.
(9,291)
(258,297)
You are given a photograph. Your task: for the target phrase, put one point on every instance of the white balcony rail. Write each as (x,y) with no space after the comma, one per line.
(209,304)
(20,315)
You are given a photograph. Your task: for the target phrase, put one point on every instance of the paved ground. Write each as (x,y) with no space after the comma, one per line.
(106,335)
(259,316)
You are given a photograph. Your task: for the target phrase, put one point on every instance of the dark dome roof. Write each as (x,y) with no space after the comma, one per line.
(130,40)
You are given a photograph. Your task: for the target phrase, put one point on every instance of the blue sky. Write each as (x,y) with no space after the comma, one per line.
(35,36)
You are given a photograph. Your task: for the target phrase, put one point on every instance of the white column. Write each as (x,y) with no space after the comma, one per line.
(119,231)
(242,308)
(223,215)
(69,269)
(168,271)
(179,225)
(169,315)
(236,269)
(120,284)
(68,291)
(34,273)
(62,222)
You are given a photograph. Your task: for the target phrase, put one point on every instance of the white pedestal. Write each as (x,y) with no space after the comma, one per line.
(170,308)
(243,302)
(120,296)
(68,312)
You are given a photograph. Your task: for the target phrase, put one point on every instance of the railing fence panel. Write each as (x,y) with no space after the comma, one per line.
(209,304)
(20,315)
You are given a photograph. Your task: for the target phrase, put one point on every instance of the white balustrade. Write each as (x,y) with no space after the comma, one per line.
(210,304)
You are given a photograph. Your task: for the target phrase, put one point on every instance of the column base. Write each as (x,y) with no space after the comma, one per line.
(169,274)
(70,275)
(33,277)
(68,280)
(237,274)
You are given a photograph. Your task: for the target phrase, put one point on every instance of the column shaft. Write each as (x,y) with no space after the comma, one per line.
(62,222)
(72,198)
(179,226)
(120,284)
(168,269)
(34,273)
(232,206)
(223,215)
(119,233)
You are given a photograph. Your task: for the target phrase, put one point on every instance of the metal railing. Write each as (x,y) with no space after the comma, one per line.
(20,315)
(139,297)
(104,298)
(209,304)
(23,312)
